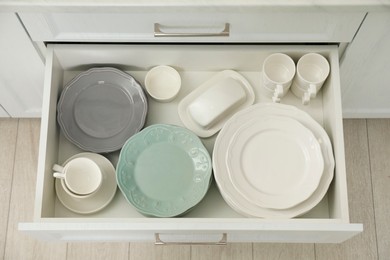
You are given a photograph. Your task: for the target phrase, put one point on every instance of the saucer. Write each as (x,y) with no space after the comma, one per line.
(96,201)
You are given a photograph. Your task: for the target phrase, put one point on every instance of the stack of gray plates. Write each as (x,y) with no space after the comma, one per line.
(101,108)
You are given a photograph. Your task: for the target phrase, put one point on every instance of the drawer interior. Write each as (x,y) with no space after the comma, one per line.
(196,64)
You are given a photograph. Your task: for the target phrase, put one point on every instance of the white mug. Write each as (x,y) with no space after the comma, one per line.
(80,177)
(312,71)
(278,73)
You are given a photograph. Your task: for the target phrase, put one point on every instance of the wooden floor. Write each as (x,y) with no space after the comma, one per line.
(368,162)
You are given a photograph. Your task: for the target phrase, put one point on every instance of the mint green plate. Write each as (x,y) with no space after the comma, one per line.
(164,170)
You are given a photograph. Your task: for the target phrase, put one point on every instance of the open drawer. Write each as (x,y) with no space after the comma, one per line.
(328,222)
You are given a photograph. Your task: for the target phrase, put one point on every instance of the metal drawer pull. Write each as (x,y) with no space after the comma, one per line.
(158,33)
(221,242)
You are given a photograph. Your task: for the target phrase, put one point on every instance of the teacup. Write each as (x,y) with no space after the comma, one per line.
(80,177)
(278,73)
(312,71)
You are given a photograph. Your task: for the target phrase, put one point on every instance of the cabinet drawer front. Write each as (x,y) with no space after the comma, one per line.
(245,25)
(207,233)
(327,222)
(21,79)
(3,113)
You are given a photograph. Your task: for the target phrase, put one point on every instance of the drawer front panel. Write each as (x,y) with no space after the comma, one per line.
(327,222)
(210,233)
(245,25)
(3,113)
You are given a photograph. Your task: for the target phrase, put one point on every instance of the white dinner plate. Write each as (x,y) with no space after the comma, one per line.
(233,197)
(275,162)
(96,201)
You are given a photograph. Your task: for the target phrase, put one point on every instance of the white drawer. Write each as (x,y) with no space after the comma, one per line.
(327,222)
(246,24)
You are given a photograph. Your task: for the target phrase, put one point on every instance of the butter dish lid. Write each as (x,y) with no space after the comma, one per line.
(208,107)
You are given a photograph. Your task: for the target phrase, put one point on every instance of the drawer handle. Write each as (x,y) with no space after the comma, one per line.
(221,242)
(159,33)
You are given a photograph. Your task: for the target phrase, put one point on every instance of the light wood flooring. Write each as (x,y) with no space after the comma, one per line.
(367,144)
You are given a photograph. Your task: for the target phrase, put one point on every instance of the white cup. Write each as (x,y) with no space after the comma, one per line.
(312,71)
(278,73)
(80,177)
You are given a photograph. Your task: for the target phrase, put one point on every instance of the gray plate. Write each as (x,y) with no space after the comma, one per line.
(101,108)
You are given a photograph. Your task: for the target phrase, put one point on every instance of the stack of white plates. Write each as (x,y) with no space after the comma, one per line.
(273,161)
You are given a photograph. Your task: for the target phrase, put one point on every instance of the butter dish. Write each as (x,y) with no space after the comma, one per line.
(206,109)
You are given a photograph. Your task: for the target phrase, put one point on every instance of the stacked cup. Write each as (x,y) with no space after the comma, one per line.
(80,177)
(86,182)
(312,71)
(279,71)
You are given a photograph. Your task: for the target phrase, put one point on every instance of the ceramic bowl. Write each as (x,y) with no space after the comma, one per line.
(163,83)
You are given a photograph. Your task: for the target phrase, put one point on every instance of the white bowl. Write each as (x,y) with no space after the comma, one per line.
(163,83)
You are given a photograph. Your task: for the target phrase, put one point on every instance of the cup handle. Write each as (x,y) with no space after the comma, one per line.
(275,99)
(305,98)
(311,93)
(58,171)
(279,91)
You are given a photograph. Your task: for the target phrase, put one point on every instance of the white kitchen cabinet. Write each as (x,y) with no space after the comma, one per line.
(244,24)
(212,219)
(21,70)
(3,113)
(365,77)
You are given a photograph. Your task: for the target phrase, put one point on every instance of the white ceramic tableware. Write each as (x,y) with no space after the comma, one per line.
(275,162)
(312,71)
(278,73)
(234,197)
(206,109)
(97,200)
(215,102)
(163,83)
(80,176)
